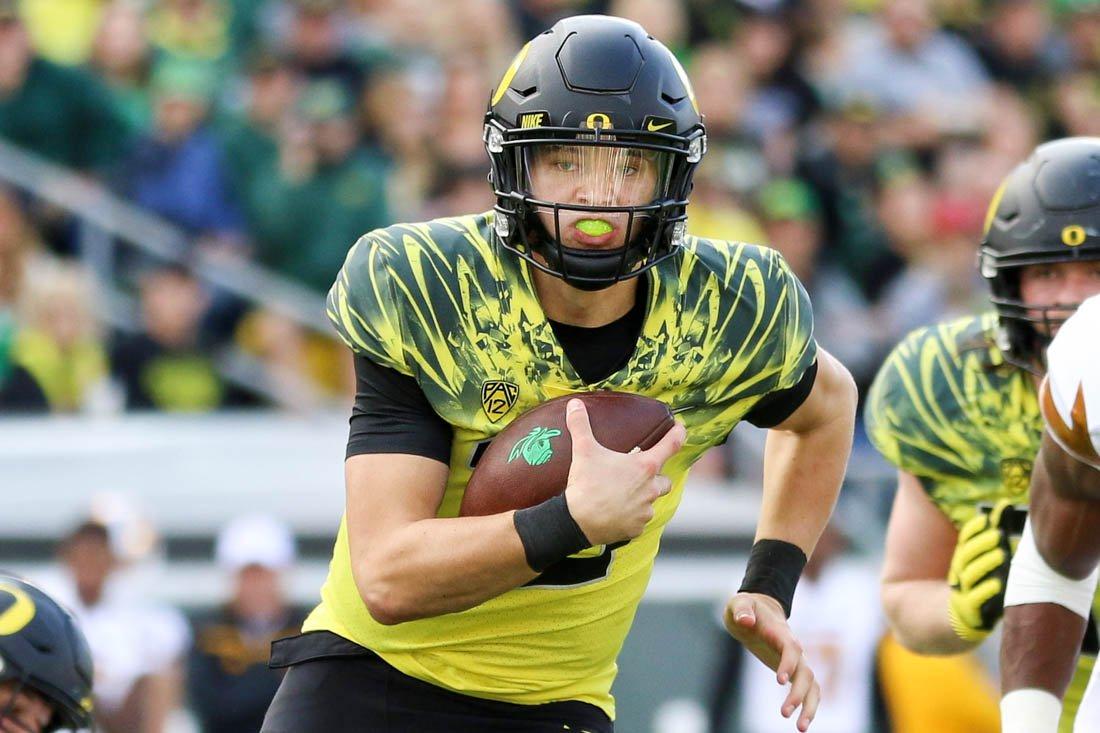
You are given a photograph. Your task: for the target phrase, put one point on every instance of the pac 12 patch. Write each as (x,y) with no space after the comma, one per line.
(498,398)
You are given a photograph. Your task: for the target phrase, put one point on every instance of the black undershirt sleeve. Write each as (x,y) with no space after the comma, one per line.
(775,407)
(392,415)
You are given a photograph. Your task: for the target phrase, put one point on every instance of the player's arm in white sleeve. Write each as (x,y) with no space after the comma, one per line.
(1053,576)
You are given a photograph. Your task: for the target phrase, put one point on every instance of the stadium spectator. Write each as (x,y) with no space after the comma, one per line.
(178,170)
(939,279)
(59,113)
(229,683)
(928,81)
(137,646)
(845,163)
(326,192)
(402,134)
(250,139)
(317,47)
(1020,47)
(198,30)
(1081,21)
(62,30)
(167,367)
(791,216)
(782,98)
(19,392)
(122,56)
(59,341)
(735,160)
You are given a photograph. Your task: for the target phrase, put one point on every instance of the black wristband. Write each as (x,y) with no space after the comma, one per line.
(548,533)
(774,569)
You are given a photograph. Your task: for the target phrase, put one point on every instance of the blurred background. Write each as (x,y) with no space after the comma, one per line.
(180,181)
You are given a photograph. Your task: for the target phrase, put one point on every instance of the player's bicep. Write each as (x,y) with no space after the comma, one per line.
(832,388)
(385,493)
(920,539)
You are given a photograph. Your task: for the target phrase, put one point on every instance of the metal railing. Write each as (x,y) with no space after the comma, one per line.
(106,220)
(106,223)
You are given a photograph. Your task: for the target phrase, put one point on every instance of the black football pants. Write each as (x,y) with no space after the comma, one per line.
(335,686)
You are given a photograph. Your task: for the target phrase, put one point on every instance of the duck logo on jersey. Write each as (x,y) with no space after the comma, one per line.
(535,447)
(1016,477)
(498,398)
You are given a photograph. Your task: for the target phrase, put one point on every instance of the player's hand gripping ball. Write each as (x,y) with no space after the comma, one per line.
(528,462)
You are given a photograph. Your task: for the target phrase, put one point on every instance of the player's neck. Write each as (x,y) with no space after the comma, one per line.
(563,303)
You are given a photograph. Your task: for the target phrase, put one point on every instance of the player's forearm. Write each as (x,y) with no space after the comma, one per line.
(436,566)
(1039,647)
(917,613)
(805,459)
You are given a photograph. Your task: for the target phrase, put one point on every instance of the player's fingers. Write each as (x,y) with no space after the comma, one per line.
(741,611)
(809,707)
(790,655)
(972,526)
(801,682)
(980,567)
(663,484)
(669,444)
(580,430)
(979,544)
(982,592)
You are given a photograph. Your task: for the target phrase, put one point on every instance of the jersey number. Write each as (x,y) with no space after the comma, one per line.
(570,571)
(575,570)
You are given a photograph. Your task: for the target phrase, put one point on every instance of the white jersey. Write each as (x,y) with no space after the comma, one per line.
(1071,393)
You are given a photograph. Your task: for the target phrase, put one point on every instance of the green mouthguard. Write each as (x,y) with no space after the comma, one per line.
(594,227)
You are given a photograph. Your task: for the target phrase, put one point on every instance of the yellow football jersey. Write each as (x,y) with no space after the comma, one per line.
(947,408)
(725,325)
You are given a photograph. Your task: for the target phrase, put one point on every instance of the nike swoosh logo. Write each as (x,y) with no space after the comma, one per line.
(654,128)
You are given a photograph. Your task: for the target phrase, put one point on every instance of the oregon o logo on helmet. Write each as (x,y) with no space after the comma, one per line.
(597,121)
(14,618)
(1073,235)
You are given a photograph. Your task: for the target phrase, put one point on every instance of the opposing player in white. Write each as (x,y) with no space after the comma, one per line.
(1054,571)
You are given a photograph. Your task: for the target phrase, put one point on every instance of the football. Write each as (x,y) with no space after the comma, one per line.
(528,462)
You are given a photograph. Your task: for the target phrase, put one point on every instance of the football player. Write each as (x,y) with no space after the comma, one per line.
(45,664)
(955,408)
(582,278)
(1053,577)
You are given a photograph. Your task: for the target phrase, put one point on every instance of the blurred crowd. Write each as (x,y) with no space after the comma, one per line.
(862,138)
(152,662)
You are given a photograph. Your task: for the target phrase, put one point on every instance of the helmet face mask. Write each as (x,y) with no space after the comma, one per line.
(1046,212)
(592,186)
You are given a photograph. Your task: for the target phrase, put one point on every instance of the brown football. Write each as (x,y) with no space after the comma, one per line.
(528,462)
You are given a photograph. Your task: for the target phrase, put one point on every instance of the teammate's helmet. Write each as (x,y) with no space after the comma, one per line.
(42,649)
(601,114)
(1047,210)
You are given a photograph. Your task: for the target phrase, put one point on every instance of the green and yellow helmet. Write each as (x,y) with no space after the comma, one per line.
(41,649)
(1047,210)
(605,97)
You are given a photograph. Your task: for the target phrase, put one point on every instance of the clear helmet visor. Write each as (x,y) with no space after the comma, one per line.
(594,195)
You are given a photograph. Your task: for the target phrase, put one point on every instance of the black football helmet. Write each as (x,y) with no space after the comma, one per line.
(42,649)
(594,135)
(1047,210)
